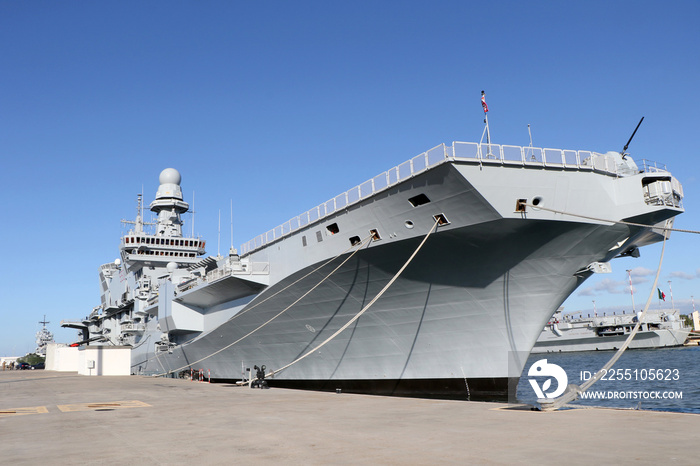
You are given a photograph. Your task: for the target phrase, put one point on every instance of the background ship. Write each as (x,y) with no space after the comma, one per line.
(660,329)
(499,258)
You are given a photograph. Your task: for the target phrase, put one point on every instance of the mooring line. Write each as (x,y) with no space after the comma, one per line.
(359,246)
(359,314)
(621,222)
(572,392)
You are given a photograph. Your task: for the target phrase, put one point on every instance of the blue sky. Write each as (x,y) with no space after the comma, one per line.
(279,106)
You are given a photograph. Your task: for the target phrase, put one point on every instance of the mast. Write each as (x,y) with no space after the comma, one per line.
(486,121)
(629,274)
(192,236)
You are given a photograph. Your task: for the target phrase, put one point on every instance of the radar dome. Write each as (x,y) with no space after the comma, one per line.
(171,267)
(170,176)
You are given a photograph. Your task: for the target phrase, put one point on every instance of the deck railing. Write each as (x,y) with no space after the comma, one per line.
(483,154)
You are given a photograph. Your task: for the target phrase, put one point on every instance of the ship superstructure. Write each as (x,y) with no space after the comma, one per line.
(43,338)
(566,333)
(514,230)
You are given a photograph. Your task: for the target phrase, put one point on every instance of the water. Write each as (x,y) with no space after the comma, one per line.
(665,379)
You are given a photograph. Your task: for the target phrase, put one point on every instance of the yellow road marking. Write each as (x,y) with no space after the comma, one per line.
(103,406)
(23,411)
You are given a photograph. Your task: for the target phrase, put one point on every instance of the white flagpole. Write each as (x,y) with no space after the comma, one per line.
(486,120)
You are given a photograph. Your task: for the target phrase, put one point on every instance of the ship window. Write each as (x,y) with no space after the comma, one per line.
(419,200)
(303,241)
(333,228)
(167,242)
(375,235)
(319,236)
(355,240)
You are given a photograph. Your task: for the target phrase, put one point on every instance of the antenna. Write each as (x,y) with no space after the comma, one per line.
(630,139)
(231,223)
(192,215)
(530,149)
(44,321)
(218,244)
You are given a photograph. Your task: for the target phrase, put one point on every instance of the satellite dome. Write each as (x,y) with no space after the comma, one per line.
(170,176)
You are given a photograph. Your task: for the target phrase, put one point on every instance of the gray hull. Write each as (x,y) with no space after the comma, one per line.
(456,323)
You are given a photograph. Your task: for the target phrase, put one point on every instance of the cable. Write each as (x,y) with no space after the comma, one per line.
(622,222)
(278,314)
(359,314)
(574,390)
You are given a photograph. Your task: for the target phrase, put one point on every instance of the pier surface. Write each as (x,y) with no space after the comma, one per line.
(49,417)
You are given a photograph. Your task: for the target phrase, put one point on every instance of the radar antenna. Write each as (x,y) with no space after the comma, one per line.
(623,154)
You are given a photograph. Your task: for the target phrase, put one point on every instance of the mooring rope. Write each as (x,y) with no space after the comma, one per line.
(357,248)
(359,314)
(621,222)
(574,390)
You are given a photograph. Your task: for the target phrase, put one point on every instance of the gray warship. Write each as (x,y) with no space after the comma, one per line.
(470,248)
(566,333)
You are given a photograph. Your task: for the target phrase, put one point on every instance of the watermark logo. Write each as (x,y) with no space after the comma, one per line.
(542,368)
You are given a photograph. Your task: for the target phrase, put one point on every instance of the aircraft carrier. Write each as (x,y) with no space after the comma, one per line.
(432,279)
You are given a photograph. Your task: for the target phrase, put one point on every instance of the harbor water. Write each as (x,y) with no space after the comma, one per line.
(663,379)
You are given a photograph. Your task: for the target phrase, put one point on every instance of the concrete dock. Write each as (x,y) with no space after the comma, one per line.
(49,417)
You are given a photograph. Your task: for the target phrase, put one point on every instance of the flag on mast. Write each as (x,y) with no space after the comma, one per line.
(483,102)
(661,294)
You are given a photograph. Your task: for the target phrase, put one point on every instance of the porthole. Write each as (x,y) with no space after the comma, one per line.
(408,224)
(537,202)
